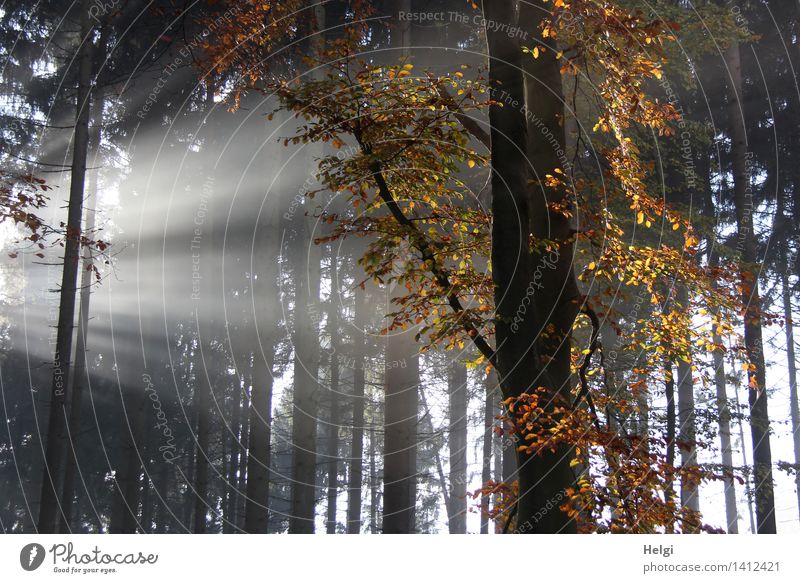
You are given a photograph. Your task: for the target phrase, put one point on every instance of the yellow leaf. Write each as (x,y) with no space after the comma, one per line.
(471,163)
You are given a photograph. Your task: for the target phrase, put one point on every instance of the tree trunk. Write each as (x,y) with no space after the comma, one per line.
(202,401)
(669,390)
(230,524)
(687,433)
(125,511)
(357,446)
(305,400)
(792,365)
(306,385)
(400,434)
(401,399)
(373,482)
(80,369)
(264,288)
(459,398)
(55,448)
(743,198)
(333,391)
(490,389)
(427,427)
(531,114)
(724,412)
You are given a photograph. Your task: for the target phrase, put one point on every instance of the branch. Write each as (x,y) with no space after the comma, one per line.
(423,246)
(469,124)
(593,346)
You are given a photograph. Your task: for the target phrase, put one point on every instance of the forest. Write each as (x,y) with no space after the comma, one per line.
(399,267)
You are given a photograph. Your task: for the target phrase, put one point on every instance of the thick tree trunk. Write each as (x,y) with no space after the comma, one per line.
(125,510)
(306,385)
(459,398)
(55,448)
(266,314)
(401,398)
(305,400)
(743,199)
(531,114)
(400,434)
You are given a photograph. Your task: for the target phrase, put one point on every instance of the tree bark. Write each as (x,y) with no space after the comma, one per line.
(792,365)
(306,385)
(401,398)
(333,391)
(357,445)
(687,433)
(491,394)
(400,434)
(80,368)
(533,323)
(743,199)
(724,413)
(459,399)
(55,448)
(266,314)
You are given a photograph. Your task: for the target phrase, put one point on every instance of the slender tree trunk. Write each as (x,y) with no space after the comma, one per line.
(230,523)
(427,427)
(459,398)
(747,489)
(55,448)
(687,433)
(669,389)
(373,483)
(147,498)
(333,429)
(490,388)
(743,198)
(357,446)
(165,512)
(191,464)
(792,365)
(244,458)
(724,413)
(202,400)
(80,368)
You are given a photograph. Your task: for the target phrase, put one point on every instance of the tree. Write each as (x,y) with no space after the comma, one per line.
(757,390)
(55,451)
